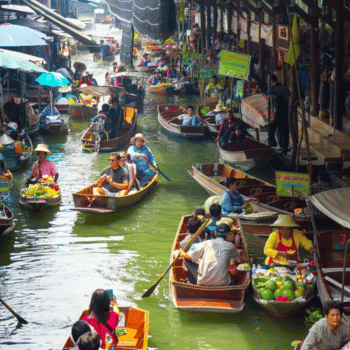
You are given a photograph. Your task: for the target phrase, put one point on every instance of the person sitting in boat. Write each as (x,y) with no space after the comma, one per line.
(42,167)
(172,73)
(232,201)
(142,156)
(184,78)
(103,316)
(228,126)
(213,84)
(155,79)
(144,61)
(85,79)
(92,79)
(239,134)
(65,93)
(125,162)
(193,224)
(104,110)
(78,329)
(3,170)
(215,215)
(189,118)
(48,111)
(214,258)
(331,332)
(113,180)
(91,341)
(283,244)
(218,112)
(115,118)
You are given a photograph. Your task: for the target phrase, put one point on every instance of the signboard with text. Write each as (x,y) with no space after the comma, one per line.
(235,65)
(206,71)
(189,57)
(292,184)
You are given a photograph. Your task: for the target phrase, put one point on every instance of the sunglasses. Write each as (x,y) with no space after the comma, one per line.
(112,160)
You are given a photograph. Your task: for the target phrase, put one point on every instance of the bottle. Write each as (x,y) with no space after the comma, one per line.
(254,269)
(108,337)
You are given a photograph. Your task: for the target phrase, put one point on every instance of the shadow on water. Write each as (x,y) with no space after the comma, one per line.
(7,243)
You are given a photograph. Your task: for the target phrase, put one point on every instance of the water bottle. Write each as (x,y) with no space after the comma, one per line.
(254,269)
(109,339)
(259,267)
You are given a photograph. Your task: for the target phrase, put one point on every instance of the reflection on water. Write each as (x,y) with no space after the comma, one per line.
(53,261)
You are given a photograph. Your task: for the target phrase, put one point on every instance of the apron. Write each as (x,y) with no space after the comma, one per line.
(282,248)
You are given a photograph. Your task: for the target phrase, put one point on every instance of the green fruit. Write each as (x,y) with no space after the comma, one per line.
(40,193)
(257,280)
(287,277)
(279,280)
(301,285)
(309,286)
(267,294)
(272,285)
(299,292)
(288,293)
(278,292)
(289,285)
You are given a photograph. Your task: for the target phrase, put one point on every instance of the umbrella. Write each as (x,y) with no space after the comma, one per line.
(12,61)
(52,79)
(13,36)
(64,72)
(34,59)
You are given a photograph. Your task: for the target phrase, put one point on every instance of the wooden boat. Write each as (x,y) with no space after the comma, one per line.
(190,297)
(93,142)
(62,108)
(136,326)
(39,204)
(148,69)
(6,221)
(166,115)
(186,89)
(161,90)
(154,50)
(81,110)
(33,95)
(247,149)
(85,201)
(52,124)
(33,119)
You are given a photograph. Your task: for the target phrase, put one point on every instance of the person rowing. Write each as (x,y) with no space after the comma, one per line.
(155,79)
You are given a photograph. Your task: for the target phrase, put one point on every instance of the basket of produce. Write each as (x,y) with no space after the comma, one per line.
(260,217)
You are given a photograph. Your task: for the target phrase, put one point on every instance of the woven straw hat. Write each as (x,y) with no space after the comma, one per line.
(42,148)
(227,221)
(6,140)
(218,108)
(64,89)
(137,136)
(285,221)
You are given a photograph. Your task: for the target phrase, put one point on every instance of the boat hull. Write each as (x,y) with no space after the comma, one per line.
(6,224)
(79,110)
(40,204)
(52,128)
(161,90)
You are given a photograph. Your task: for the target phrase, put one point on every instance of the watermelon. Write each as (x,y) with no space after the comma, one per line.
(272,285)
(288,293)
(289,285)
(267,294)
(278,292)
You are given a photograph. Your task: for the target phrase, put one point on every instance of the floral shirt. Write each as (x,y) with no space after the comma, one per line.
(47,168)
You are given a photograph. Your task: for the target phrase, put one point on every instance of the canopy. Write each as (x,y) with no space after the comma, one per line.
(52,79)
(335,204)
(101,90)
(12,61)
(33,59)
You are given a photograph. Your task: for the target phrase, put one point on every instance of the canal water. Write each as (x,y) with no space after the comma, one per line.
(52,263)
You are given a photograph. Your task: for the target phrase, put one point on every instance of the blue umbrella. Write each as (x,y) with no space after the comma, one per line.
(12,61)
(52,79)
(14,36)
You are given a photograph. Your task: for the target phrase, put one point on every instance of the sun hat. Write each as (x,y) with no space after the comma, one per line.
(42,148)
(285,221)
(137,136)
(227,221)
(6,140)
(64,89)
(218,108)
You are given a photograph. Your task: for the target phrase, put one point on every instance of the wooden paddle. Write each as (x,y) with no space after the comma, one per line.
(19,318)
(160,172)
(187,246)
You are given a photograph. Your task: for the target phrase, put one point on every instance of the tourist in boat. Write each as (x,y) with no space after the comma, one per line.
(283,244)
(193,224)
(142,156)
(50,109)
(42,166)
(205,235)
(189,118)
(144,61)
(214,84)
(239,134)
(228,126)
(330,332)
(215,215)
(104,110)
(219,113)
(92,79)
(115,117)
(90,341)
(172,73)
(101,318)
(78,329)
(214,258)
(126,163)
(84,80)
(199,211)
(232,201)
(113,180)
(155,79)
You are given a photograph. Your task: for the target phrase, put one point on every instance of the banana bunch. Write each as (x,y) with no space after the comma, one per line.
(51,191)
(164,84)
(31,190)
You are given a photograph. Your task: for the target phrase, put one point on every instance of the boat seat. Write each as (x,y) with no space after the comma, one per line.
(335,284)
(129,339)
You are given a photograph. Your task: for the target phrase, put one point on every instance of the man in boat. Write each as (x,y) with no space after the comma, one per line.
(113,180)
(144,61)
(115,117)
(193,224)
(213,84)
(50,109)
(214,259)
(188,118)
(218,112)
(228,126)
(143,157)
(283,244)
(215,215)
(92,79)
(155,79)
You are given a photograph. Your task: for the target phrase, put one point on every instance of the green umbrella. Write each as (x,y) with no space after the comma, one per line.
(10,61)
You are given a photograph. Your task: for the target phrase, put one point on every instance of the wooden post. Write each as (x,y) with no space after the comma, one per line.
(274,43)
(229,24)
(315,65)
(208,24)
(249,44)
(261,55)
(203,45)
(221,19)
(215,24)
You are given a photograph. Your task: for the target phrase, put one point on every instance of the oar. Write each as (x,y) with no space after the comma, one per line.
(160,172)
(187,246)
(19,318)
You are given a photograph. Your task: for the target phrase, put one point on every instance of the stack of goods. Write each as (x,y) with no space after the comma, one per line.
(164,84)
(40,191)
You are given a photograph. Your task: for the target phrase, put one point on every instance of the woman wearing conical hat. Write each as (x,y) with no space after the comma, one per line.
(283,244)
(42,167)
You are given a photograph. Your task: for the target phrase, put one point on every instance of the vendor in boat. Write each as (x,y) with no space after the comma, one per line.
(227,127)
(42,167)
(329,333)
(50,109)
(104,110)
(3,170)
(214,84)
(218,112)
(239,134)
(142,156)
(214,258)
(155,79)
(189,118)
(125,162)
(144,61)
(232,201)
(113,180)
(283,244)
(115,118)
(184,78)
(85,79)
(172,73)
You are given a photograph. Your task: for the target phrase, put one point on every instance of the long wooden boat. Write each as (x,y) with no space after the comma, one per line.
(34,126)
(186,89)
(85,201)
(62,108)
(136,326)
(247,149)
(53,125)
(161,90)
(92,144)
(190,297)
(7,224)
(39,204)
(148,69)
(80,110)
(167,118)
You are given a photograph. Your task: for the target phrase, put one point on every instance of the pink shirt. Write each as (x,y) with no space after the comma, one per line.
(47,168)
(101,329)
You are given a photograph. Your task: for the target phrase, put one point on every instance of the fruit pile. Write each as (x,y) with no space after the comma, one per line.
(288,287)
(164,84)
(154,48)
(40,191)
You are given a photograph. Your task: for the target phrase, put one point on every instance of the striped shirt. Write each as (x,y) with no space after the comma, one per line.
(320,336)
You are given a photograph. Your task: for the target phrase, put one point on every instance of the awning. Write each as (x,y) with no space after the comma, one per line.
(31,23)
(335,204)
(61,22)
(17,8)
(33,59)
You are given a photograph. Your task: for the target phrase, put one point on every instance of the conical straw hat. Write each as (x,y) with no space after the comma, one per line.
(6,140)
(218,108)
(285,221)
(42,148)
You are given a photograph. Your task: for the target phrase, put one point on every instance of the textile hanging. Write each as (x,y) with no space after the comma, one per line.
(234,24)
(254,32)
(266,33)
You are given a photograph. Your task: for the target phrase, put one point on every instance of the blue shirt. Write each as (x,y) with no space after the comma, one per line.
(48,111)
(229,203)
(141,164)
(212,227)
(156,81)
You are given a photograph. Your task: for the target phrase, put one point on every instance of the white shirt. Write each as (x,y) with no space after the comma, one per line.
(219,118)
